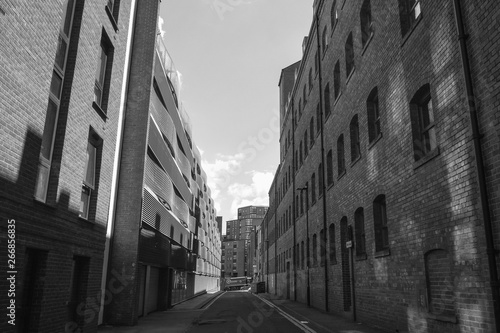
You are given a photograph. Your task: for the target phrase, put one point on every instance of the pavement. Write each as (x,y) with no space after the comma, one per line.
(181,317)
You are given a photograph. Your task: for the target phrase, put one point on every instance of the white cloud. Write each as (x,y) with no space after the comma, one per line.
(160,27)
(255,193)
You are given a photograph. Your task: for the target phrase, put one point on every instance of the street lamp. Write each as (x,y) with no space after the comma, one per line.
(307,243)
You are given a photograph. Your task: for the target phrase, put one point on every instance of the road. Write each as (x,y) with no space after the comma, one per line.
(242,312)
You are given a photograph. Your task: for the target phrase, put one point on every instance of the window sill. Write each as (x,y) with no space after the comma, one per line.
(430,156)
(350,76)
(341,175)
(355,161)
(410,32)
(447,319)
(44,203)
(85,220)
(329,186)
(111,18)
(360,257)
(99,111)
(337,99)
(367,43)
(382,253)
(371,144)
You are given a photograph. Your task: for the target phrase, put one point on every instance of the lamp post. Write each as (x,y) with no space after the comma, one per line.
(307,244)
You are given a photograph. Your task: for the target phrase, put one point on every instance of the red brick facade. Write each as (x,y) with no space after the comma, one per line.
(396,232)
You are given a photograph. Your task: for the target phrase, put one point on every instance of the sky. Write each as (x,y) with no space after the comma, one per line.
(229,54)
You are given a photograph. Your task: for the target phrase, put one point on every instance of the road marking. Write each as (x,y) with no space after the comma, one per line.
(294,321)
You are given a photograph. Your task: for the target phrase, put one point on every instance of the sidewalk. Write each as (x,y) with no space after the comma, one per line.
(178,319)
(318,320)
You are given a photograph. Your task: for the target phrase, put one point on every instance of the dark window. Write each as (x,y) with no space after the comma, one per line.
(380,223)
(301,202)
(306,144)
(322,247)
(349,55)
(302,255)
(340,155)
(409,13)
(373,115)
(300,153)
(331,235)
(114,8)
(422,123)
(327,100)
(103,73)
(91,176)
(315,250)
(333,15)
(336,80)
(304,93)
(325,39)
(359,224)
(355,147)
(320,179)
(366,22)
(310,79)
(329,167)
(318,118)
(78,289)
(439,283)
(311,131)
(313,189)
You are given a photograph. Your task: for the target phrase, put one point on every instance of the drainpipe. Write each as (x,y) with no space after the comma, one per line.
(118,150)
(476,136)
(323,250)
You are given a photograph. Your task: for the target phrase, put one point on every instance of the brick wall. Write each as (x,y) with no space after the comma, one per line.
(432,205)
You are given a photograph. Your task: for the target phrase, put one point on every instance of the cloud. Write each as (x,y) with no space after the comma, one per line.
(160,27)
(253,194)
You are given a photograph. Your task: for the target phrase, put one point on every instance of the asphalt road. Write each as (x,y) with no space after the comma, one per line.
(242,312)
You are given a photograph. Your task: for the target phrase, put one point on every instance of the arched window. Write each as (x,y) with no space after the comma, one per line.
(329,168)
(331,237)
(311,131)
(349,55)
(359,225)
(325,38)
(366,22)
(373,115)
(422,123)
(315,250)
(333,14)
(336,80)
(340,155)
(322,248)
(380,224)
(326,98)
(409,14)
(313,189)
(320,179)
(306,144)
(355,146)
(310,79)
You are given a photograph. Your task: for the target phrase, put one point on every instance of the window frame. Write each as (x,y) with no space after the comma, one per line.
(380,224)
(424,136)
(355,139)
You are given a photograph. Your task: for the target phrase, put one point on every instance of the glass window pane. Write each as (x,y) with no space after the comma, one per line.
(68,15)
(85,202)
(90,165)
(56,84)
(101,67)
(61,52)
(48,130)
(42,181)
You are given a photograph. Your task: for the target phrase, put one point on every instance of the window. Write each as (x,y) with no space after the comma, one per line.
(55,97)
(334,15)
(297,206)
(336,80)
(318,118)
(422,123)
(355,148)
(302,255)
(172,232)
(366,22)
(329,168)
(331,235)
(315,250)
(112,9)
(304,93)
(380,224)
(311,131)
(340,155)
(320,179)
(306,145)
(300,108)
(327,100)
(409,13)
(313,189)
(373,115)
(103,73)
(310,79)
(359,225)
(301,202)
(439,283)
(316,62)
(325,39)
(322,247)
(89,184)
(306,199)
(300,153)
(349,56)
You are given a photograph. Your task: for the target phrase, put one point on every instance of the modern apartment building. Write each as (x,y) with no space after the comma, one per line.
(164,237)
(385,205)
(233,258)
(60,104)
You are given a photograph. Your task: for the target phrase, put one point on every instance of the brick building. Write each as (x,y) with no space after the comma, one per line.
(60,89)
(233,258)
(385,205)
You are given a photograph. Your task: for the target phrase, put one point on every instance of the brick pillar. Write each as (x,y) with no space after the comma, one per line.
(123,268)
